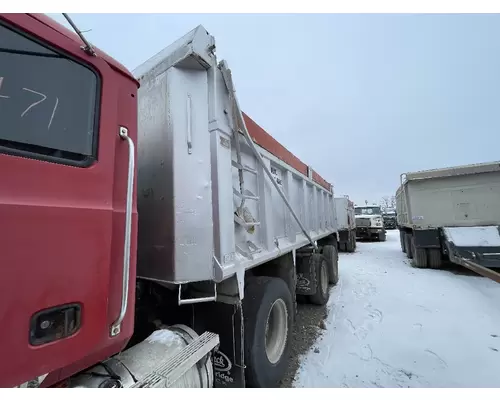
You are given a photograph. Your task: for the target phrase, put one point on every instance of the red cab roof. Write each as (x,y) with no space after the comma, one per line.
(44,19)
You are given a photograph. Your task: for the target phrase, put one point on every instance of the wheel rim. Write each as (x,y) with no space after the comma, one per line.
(324,278)
(276,331)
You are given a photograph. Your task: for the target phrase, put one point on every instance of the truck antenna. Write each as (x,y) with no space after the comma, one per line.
(88,47)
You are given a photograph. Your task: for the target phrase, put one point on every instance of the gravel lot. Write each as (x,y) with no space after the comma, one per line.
(308,327)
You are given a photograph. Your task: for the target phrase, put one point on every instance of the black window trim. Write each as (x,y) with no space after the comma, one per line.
(36,154)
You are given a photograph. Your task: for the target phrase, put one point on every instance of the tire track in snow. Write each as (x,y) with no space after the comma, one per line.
(363,330)
(334,309)
(443,362)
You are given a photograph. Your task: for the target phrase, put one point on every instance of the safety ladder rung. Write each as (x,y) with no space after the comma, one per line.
(247,195)
(242,222)
(244,167)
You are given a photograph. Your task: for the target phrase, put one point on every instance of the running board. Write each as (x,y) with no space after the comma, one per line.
(174,368)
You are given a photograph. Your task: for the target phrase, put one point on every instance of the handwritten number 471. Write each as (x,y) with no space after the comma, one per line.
(34,104)
(43,98)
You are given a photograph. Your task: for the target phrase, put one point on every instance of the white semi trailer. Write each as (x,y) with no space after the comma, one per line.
(451,213)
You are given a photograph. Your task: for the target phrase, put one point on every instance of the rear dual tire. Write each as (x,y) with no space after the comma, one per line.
(321,266)
(422,257)
(435,259)
(402,241)
(351,243)
(419,255)
(268,316)
(408,247)
(326,266)
(331,255)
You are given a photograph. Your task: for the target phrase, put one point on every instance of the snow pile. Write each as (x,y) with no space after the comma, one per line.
(392,325)
(474,236)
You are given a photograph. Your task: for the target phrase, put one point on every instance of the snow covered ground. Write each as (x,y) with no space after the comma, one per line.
(392,325)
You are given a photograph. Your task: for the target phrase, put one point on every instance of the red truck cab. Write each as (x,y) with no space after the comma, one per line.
(62,201)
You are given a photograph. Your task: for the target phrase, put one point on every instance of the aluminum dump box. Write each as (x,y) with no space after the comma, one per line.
(460,196)
(207,207)
(344,210)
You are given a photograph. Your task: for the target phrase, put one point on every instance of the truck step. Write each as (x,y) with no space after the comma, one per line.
(174,368)
(253,248)
(249,251)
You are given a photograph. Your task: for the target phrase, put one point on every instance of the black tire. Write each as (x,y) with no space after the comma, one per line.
(382,237)
(419,255)
(408,245)
(346,246)
(332,256)
(261,293)
(350,245)
(320,264)
(434,257)
(343,246)
(402,241)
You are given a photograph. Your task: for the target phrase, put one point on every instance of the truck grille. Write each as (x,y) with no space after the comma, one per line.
(362,221)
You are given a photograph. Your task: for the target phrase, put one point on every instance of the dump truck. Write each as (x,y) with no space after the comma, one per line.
(346,224)
(390,218)
(153,235)
(369,222)
(451,214)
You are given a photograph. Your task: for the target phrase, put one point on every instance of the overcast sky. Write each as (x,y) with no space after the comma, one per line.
(361,98)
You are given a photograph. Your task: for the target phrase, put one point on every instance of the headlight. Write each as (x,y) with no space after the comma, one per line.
(377,221)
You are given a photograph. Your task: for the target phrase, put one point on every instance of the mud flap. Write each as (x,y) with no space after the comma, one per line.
(227,321)
(344,235)
(306,276)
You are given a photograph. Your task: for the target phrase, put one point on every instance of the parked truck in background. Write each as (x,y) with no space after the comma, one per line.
(346,223)
(390,219)
(152,236)
(369,222)
(451,213)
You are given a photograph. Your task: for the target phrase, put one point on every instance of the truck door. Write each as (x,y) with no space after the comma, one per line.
(56,203)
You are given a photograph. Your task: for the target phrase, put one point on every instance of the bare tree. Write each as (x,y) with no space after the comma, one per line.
(393,201)
(388,202)
(385,202)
